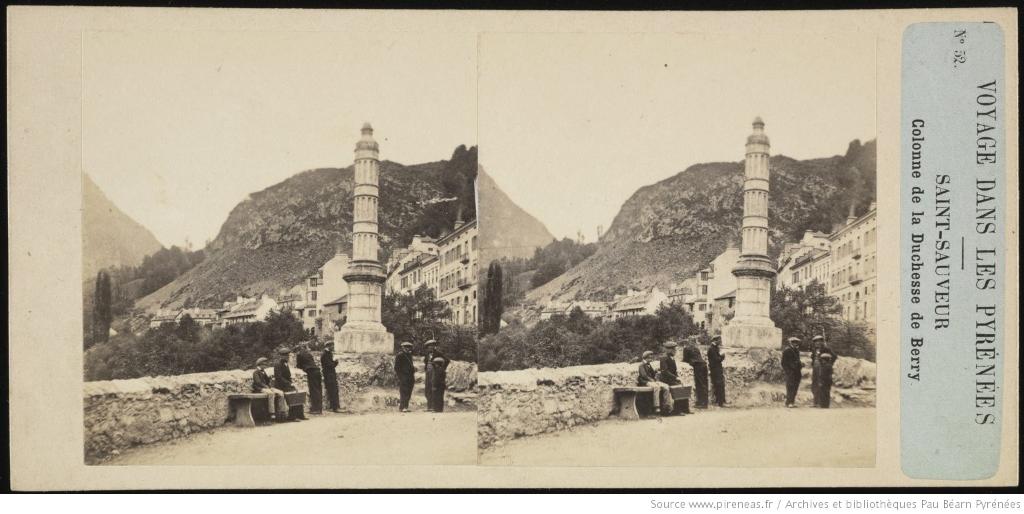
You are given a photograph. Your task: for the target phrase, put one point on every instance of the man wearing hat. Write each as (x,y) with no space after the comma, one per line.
(439,384)
(647,377)
(405,372)
(715,358)
(329,365)
(429,364)
(667,371)
(314,379)
(692,356)
(818,348)
(825,380)
(791,367)
(261,384)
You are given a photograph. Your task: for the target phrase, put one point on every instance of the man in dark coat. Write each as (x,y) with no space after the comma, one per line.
(405,372)
(438,384)
(329,365)
(791,367)
(261,384)
(667,371)
(314,379)
(825,380)
(646,377)
(818,349)
(283,381)
(692,356)
(715,358)
(429,365)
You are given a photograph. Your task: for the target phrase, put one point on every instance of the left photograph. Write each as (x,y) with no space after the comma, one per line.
(279,241)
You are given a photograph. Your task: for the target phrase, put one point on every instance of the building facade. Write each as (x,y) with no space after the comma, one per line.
(853,266)
(458,272)
(325,285)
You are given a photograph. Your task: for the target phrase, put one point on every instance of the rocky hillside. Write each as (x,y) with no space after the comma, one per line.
(109,236)
(670,229)
(278,236)
(506,230)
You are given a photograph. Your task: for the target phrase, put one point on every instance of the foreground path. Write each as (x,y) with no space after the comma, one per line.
(766,437)
(392,438)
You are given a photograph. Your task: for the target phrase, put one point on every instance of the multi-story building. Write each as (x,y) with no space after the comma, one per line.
(711,282)
(324,286)
(800,263)
(459,272)
(410,267)
(247,310)
(635,303)
(853,266)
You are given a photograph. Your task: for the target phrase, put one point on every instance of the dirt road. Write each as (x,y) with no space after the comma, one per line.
(767,437)
(391,438)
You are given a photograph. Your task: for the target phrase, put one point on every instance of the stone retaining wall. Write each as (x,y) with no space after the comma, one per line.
(119,414)
(520,403)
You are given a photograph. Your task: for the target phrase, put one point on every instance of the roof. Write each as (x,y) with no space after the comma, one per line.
(464,227)
(166,316)
(730,294)
(246,308)
(200,313)
(338,301)
(637,301)
(555,307)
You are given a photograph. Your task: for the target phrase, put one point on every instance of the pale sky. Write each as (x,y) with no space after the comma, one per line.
(571,125)
(179,127)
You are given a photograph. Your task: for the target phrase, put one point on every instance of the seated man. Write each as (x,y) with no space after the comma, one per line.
(662,392)
(261,384)
(667,371)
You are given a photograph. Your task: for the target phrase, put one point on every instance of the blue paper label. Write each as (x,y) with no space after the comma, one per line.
(952,250)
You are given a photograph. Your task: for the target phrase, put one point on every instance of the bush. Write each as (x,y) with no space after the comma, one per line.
(176,349)
(577,339)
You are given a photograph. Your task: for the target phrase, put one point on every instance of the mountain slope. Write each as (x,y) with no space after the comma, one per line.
(506,230)
(670,229)
(277,237)
(109,236)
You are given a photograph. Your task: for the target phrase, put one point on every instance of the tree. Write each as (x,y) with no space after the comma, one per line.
(414,317)
(102,316)
(806,312)
(493,299)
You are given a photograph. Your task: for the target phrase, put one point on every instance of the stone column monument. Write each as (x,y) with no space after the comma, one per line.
(751,327)
(363,331)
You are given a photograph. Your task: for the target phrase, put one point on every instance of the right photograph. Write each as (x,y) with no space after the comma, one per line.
(677,238)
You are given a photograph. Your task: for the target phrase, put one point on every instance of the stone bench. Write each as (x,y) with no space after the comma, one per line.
(241,407)
(627,400)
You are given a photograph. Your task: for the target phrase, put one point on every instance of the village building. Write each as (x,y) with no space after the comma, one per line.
(202,317)
(412,266)
(325,285)
(682,293)
(593,309)
(248,310)
(711,282)
(459,271)
(802,262)
(854,266)
(163,318)
(554,309)
(333,314)
(722,309)
(636,303)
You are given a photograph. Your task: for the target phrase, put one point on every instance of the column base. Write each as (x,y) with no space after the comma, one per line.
(368,338)
(743,335)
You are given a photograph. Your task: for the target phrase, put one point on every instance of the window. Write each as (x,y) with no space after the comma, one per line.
(703,290)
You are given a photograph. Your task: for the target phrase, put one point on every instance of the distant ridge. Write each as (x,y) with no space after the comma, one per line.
(506,230)
(109,236)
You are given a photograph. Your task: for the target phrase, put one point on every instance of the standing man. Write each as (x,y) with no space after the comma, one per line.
(314,379)
(329,365)
(261,384)
(715,358)
(429,365)
(692,356)
(667,371)
(662,393)
(439,385)
(825,380)
(405,371)
(818,348)
(791,367)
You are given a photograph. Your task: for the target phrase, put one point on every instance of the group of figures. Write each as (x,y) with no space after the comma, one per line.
(822,359)
(317,380)
(668,374)
(435,366)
